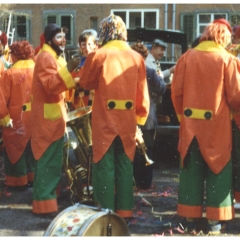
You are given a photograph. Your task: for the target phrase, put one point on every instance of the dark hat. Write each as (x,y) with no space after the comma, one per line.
(158,42)
(225,22)
(50,30)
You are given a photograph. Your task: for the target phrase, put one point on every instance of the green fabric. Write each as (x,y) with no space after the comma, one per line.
(236,157)
(24,165)
(48,172)
(113,174)
(193,176)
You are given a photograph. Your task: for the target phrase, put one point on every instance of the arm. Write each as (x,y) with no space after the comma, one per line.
(156,83)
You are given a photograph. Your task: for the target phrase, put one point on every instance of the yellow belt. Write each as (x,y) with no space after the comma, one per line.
(198,113)
(120,104)
(26,107)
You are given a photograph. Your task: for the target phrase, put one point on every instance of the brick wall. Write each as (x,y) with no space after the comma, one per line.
(85,11)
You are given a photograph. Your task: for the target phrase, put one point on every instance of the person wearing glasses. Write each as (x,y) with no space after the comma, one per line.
(156,53)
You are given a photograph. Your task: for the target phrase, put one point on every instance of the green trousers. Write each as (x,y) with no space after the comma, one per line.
(22,172)
(112,179)
(48,172)
(198,181)
(236,160)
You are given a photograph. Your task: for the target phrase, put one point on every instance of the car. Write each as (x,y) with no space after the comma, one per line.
(168,126)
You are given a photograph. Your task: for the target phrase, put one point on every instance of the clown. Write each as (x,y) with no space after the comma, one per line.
(121,101)
(51,79)
(203,98)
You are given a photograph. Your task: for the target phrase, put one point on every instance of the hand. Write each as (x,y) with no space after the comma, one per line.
(172,69)
(73,63)
(9,124)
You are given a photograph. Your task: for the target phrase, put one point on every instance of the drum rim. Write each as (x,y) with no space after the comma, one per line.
(102,212)
(54,223)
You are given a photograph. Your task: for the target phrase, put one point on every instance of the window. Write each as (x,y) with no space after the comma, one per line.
(193,24)
(63,19)
(204,18)
(139,18)
(19,28)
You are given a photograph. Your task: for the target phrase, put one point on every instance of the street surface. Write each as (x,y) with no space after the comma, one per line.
(154,209)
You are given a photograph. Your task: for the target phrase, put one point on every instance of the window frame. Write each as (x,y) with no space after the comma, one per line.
(4,26)
(212,14)
(195,23)
(142,15)
(58,14)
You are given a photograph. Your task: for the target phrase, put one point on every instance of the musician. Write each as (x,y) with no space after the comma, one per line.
(156,53)
(202,98)
(87,43)
(121,100)
(143,174)
(234,49)
(48,120)
(16,85)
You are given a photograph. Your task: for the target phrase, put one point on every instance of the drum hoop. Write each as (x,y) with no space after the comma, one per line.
(94,217)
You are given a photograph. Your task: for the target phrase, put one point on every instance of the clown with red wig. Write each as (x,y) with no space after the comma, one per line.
(205,88)
(16,85)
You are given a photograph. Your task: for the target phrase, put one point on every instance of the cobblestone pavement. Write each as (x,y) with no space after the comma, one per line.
(154,211)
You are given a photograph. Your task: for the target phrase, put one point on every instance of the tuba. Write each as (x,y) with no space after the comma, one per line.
(78,154)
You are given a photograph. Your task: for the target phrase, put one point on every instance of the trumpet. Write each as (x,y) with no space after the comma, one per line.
(142,147)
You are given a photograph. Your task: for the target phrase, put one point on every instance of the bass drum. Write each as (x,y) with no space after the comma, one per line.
(83,220)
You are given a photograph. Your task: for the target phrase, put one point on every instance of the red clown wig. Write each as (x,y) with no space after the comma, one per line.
(22,50)
(218,31)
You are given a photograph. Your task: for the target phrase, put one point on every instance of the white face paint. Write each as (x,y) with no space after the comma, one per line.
(61,40)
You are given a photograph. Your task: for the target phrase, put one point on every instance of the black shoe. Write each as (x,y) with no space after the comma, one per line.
(51,215)
(188,226)
(16,188)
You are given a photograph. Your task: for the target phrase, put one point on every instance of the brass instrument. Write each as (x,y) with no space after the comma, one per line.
(142,147)
(77,163)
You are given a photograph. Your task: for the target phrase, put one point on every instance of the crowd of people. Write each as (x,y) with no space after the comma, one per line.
(121,83)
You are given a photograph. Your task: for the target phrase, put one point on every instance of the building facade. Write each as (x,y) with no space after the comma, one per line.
(28,20)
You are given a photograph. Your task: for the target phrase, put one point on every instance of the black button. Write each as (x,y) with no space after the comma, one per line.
(128,105)
(187,112)
(111,105)
(24,107)
(207,115)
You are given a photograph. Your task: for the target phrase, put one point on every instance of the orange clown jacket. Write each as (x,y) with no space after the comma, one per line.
(121,100)
(50,81)
(204,87)
(16,85)
(235,50)
(2,68)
